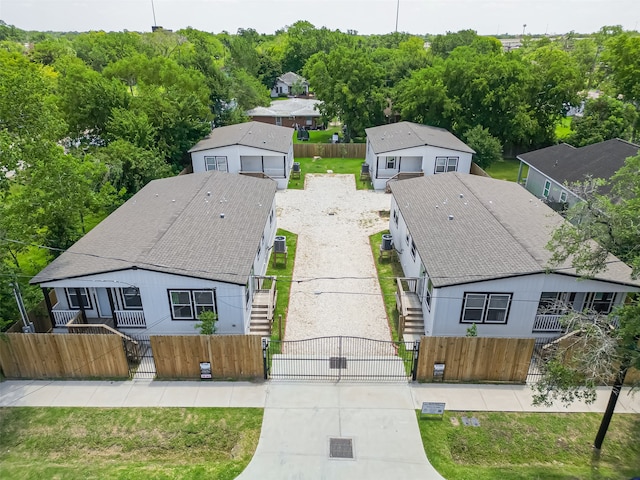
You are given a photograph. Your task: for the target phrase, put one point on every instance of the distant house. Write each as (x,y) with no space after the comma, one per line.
(403,150)
(473,252)
(287,84)
(178,247)
(292,112)
(553,169)
(253,148)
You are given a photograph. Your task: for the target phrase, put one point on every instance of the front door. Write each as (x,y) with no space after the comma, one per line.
(104,308)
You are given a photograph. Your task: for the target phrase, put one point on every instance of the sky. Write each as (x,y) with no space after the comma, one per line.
(487,17)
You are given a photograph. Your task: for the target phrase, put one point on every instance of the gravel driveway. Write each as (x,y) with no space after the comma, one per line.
(335,290)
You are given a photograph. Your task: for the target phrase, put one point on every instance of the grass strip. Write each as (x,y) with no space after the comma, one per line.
(336,165)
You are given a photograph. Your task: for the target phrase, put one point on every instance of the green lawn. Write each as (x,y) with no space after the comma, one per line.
(531,446)
(336,165)
(285,273)
(319,136)
(507,169)
(127,443)
(563,129)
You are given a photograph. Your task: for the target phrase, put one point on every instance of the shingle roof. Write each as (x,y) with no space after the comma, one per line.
(401,135)
(290,78)
(291,107)
(498,229)
(566,164)
(251,134)
(174,225)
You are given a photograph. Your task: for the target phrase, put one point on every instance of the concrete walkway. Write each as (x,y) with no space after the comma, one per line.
(300,418)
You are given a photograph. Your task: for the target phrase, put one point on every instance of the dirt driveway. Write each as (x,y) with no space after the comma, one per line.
(335,290)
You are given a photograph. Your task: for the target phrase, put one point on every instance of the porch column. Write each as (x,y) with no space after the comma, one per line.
(519,172)
(113,310)
(81,303)
(47,302)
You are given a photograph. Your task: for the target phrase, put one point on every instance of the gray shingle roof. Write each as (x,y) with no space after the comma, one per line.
(401,135)
(498,229)
(291,107)
(251,134)
(566,164)
(173,225)
(290,78)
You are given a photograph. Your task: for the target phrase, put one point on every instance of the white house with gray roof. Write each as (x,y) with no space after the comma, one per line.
(178,247)
(253,148)
(290,83)
(403,150)
(473,252)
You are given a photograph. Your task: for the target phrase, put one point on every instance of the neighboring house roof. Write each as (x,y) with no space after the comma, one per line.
(250,134)
(290,78)
(292,107)
(174,225)
(498,230)
(401,135)
(566,164)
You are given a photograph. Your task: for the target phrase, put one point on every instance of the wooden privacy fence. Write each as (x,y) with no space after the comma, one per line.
(329,150)
(231,356)
(476,359)
(48,355)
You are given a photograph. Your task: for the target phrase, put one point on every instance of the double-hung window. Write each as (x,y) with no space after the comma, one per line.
(446,164)
(395,216)
(188,304)
(556,303)
(601,302)
(216,163)
(563,196)
(547,188)
(76,300)
(413,249)
(131,298)
(485,307)
(391,163)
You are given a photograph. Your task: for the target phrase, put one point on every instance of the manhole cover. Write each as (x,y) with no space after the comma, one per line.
(340,448)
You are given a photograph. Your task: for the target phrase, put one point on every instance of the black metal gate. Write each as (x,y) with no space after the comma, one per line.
(140,357)
(340,359)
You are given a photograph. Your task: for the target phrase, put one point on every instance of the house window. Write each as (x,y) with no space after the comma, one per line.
(131,298)
(279,121)
(391,163)
(563,196)
(446,164)
(188,304)
(413,249)
(407,239)
(428,294)
(601,302)
(216,163)
(485,307)
(74,300)
(547,188)
(309,121)
(556,303)
(395,217)
(271,217)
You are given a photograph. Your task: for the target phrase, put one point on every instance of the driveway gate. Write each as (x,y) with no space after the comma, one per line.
(340,358)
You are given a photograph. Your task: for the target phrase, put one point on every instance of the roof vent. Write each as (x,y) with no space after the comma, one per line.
(208,194)
(462,195)
(222,215)
(450,217)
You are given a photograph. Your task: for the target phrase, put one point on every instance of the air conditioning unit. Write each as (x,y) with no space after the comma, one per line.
(280,244)
(387,242)
(296,166)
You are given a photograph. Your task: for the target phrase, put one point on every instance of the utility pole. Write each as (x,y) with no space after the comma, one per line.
(27,325)
(397,13)
(154,13)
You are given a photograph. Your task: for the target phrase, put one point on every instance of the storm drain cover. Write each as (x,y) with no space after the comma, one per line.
(340,448)
(338,362)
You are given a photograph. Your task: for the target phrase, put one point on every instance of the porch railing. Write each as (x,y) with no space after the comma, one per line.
(403,176)
(405,285)
(62,317)
(131,347)
(130,318)
(268,285)
(547,323)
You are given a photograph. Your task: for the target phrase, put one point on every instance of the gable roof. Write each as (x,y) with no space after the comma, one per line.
(401,135)
(498,229)
(291,107)
(250,134)
(174,225)
(290,78)
(566,164)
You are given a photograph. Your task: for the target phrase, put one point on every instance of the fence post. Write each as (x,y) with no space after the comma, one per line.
(265,367)
(280,327)
(414,367)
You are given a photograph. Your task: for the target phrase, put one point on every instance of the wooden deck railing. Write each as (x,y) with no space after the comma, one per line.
(131,346)
(268,285)
(130,318)
(547,323)
(403,176)
(62,317)
(405,285)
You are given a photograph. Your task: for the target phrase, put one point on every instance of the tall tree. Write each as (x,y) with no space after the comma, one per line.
(603,118)
(487,147)
(605,348)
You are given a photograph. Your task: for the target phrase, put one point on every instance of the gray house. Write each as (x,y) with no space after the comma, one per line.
(553,169)
(473,253)
(178,247)
(287,83)
(404,150)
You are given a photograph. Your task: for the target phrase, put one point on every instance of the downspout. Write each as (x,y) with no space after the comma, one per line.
(47,302)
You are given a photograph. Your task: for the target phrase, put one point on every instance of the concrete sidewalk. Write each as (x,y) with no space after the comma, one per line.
(300,418)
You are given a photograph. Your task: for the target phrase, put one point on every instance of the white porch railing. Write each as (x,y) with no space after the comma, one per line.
(62,317)
(547,323)
(130,318)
